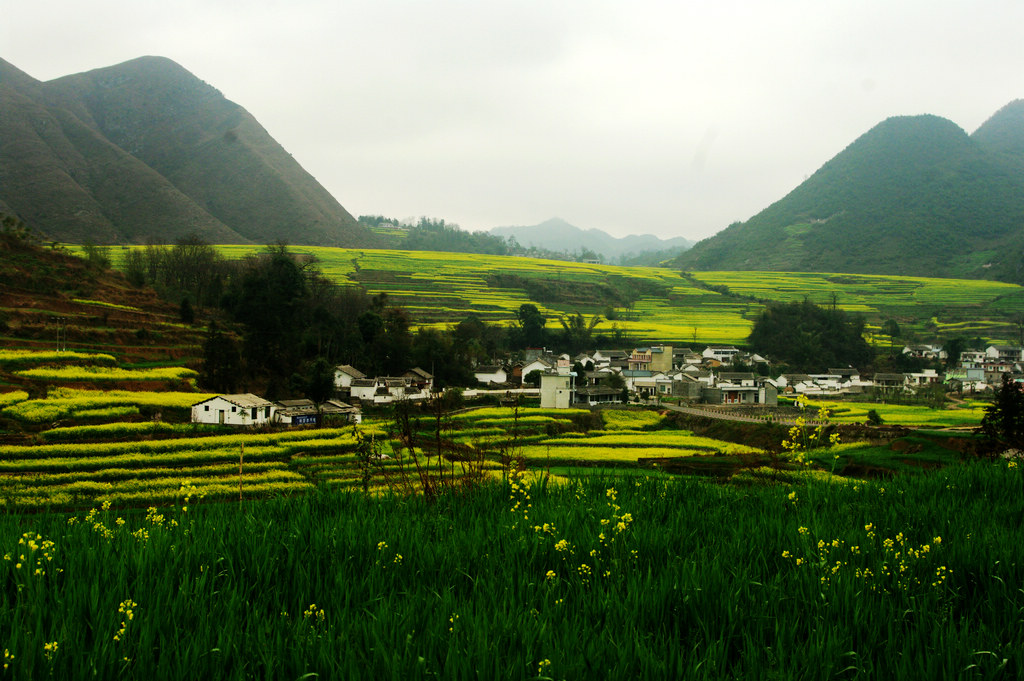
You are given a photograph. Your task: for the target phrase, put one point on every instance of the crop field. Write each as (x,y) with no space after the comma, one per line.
(106,374)
(969,415)
(608,577)
(969,307)
(660,305)
(65,403)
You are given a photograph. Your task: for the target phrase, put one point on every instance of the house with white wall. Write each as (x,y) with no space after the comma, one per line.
(243,409)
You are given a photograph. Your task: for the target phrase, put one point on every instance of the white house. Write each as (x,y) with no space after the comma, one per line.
(1005,353)
(244,409)
(721,353)
(385,389)
(536,365)
(344,375)
(555,391)
(490,374)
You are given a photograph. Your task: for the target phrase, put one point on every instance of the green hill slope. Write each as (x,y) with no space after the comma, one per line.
(913,196)
(146,150)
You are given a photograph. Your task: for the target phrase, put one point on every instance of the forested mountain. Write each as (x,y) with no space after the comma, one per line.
(145,150)
(914,195)
(558,235)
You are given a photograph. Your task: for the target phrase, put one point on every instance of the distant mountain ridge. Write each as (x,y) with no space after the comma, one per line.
(915,195)
(144,151)
(558,235)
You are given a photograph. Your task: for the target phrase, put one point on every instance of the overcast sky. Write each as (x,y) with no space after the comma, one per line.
(670,118)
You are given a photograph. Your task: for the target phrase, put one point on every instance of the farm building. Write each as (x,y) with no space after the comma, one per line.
(304,412)
(244,409)
(295,412)
(490,374)
(555,391)
(344,375)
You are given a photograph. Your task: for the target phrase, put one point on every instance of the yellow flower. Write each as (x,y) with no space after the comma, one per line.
(550,575)
(802,529)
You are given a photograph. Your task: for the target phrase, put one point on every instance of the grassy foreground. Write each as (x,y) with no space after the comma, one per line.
(917,577)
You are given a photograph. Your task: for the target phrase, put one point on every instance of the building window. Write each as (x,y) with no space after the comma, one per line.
(234,409)
(206,407)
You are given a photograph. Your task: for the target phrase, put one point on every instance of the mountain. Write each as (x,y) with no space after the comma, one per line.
(915,195)
(558,235)
(144,150)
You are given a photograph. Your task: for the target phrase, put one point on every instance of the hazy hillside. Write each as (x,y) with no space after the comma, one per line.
(914,196)
(146,150)
(558,235)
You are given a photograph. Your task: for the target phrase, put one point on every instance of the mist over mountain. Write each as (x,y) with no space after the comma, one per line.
(915,195)
(144,151)
(558,235)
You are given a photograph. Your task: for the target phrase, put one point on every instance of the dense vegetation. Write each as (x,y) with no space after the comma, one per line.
(810,337)
(615,578)
(437,235)
(907,183)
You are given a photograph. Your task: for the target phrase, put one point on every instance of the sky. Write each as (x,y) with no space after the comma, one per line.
(647,117)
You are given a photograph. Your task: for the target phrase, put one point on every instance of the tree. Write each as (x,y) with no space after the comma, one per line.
(809,337)
(222,363)
(891,329)
(578,331)
(954,346)
(1003,423)
(186,313)
(531,322)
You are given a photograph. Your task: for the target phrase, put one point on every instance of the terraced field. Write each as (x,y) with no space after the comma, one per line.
(663,305)
(967,307)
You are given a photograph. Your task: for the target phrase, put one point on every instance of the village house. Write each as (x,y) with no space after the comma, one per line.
(556,391)
(723,354)
(971,359)
(420,381)
(490,374)
(741,389)
(243,409)
(926,352)
(683,356)
(304,412)
(344,375)
(1004,353)
(538,364)
(922,378)
(593,395)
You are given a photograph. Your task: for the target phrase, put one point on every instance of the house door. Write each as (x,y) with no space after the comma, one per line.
(220,414)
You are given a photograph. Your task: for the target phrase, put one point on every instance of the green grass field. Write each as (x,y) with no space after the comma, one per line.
(604,578)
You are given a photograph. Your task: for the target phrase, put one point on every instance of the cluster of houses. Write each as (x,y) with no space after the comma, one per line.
(614,376)
(663,371)
(246,409)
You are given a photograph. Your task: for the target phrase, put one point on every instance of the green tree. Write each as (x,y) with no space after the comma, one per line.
(221,368)
(578,332)
(1003,423)
(809,337)
(531,323)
